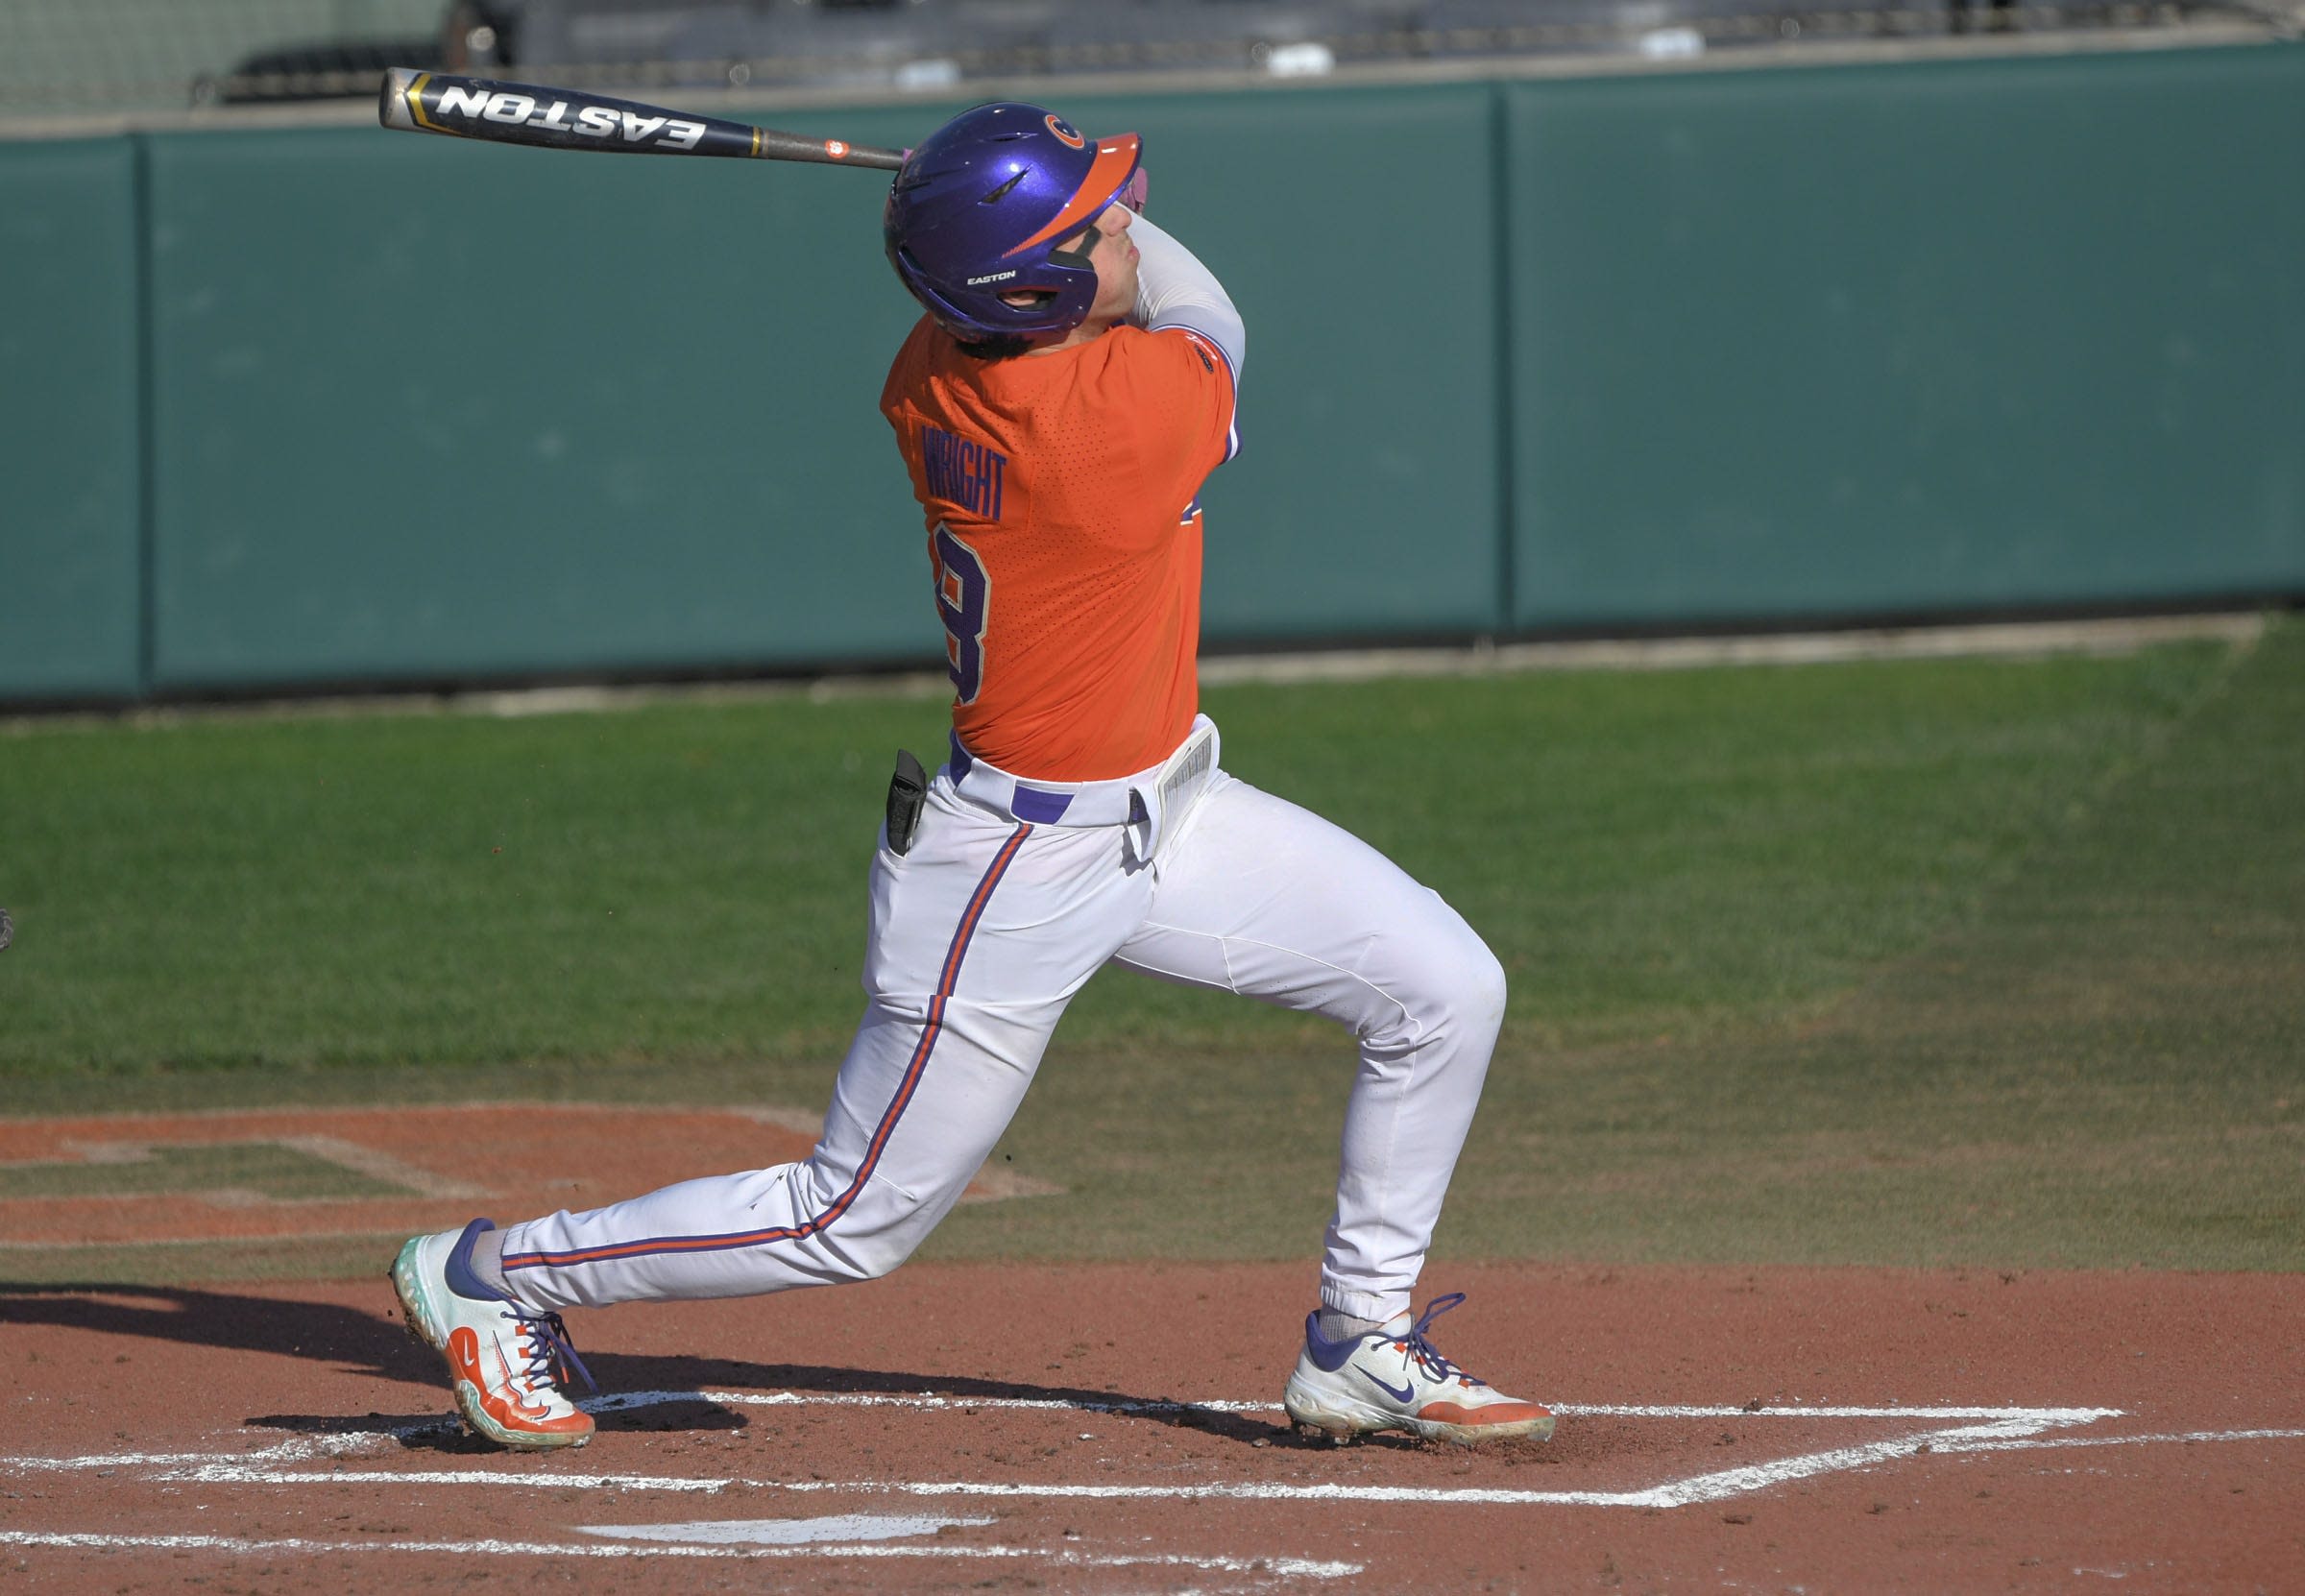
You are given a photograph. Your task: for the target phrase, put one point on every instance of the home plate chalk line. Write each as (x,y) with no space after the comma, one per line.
(298,1546)
(319,1460)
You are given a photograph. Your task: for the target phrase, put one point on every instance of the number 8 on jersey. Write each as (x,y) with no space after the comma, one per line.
(962,592)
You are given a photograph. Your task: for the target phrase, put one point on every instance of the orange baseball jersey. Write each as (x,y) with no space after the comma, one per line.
(1064,532)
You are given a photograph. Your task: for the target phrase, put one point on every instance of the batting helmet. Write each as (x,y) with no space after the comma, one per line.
(979,210)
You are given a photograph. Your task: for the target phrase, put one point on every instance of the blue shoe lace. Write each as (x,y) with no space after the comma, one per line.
(550,1352)
(1425,1352)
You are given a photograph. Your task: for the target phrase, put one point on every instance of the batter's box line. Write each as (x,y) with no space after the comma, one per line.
(931,1401)
(300,1546)
(1987,1426)
(1718,1487)
(1971,1429)
(1988,1430)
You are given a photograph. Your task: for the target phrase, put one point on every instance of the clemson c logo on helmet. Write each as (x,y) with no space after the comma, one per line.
(1063,130)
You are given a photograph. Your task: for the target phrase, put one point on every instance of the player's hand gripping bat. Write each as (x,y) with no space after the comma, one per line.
(568,120)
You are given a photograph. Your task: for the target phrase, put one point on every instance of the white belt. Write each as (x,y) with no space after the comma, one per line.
(1151,803)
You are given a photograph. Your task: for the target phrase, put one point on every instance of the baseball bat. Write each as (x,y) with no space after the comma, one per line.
(565,119)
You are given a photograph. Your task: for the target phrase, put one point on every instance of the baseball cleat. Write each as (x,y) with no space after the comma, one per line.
(1393,1379)
(505,1364)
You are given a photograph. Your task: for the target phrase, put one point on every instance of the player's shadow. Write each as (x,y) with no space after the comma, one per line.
(374,1346)
(624,1375)
(361,1342)
(641,1372)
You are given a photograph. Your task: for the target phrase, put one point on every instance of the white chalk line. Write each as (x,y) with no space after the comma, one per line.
(1989,1430)
(82,1540)
(1973,1428)
(934,1402)
(786,1532)
(355,1442)
(2174,1438)
(1714,1487)
(1995,1429)
(286,1451)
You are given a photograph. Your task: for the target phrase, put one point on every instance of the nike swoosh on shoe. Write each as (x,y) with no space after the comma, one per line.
(1402,1395)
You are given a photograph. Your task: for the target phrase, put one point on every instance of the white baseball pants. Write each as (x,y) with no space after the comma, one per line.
(979,938)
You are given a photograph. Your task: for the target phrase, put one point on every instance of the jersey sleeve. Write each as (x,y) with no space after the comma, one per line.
(1181,395)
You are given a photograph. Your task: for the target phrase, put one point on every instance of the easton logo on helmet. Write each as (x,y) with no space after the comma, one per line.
(1063,130)
(996,277)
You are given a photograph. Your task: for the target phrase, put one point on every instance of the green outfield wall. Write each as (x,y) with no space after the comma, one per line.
(71,472)
(314,406)
(2007,333)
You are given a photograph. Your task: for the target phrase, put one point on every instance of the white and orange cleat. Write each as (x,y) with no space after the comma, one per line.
(505,1364)
(1393,1379)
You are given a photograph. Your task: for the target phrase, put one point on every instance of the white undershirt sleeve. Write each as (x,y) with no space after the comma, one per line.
(1174,289)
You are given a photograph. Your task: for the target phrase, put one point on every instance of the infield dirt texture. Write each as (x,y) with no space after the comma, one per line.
(1890,1168)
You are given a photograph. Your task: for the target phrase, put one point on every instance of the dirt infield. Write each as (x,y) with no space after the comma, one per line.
(122,1180)
(1112,1429)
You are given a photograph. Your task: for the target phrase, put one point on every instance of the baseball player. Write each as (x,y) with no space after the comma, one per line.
(1057,407)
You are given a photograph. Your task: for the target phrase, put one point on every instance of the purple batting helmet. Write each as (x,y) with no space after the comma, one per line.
(979,210)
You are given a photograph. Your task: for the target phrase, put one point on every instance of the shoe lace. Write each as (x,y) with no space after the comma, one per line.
(547,1354)
(1427,1355)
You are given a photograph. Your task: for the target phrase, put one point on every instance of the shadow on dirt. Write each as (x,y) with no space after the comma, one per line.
(374,1344)
(362,1342)
(639,1372)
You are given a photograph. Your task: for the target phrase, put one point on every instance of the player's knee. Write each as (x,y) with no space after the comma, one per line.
(1471,993)
(868,1252)
(875,1236)
(1448,981)
(869,1257)
(1483,994)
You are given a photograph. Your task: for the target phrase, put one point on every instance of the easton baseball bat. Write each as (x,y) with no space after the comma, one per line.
(566,119)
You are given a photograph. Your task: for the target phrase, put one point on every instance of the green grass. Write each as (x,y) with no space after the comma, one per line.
(1957,961)
(268,1168)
